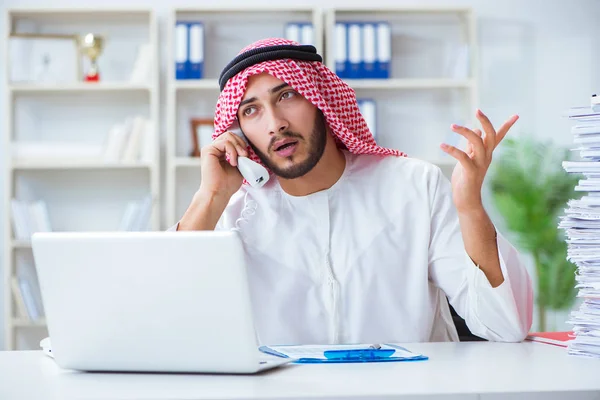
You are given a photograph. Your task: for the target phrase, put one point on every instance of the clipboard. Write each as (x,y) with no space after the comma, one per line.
(331,354)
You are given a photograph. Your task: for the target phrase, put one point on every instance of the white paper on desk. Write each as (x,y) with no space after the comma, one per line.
(582,226)
(317,351)
(581,166)
(573,223)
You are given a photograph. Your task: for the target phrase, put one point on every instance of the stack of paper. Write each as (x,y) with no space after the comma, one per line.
(581,223)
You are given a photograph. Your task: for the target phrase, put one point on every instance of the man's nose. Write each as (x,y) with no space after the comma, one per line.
(277,123)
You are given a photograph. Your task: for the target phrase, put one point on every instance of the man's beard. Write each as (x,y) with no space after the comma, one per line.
(316,147)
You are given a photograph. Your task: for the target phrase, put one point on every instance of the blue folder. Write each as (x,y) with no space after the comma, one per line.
(345,354)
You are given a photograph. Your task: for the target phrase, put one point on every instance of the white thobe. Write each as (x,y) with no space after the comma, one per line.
(372,259)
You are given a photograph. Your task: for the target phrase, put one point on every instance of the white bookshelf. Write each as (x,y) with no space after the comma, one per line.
(49,165)
(82,194)
(21,244)
(415,83)
(415,107)
(26,323)
(197,84)
(227,31)
(420,100)
(79,88)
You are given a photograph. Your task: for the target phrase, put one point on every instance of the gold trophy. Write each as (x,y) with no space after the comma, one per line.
(91,45)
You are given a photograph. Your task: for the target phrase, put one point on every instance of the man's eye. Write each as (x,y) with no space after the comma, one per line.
(248,111)
(287,95)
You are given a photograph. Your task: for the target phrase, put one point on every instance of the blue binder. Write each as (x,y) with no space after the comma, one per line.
(293,32)
(369,46)
(181,49)
(341,49)
(307,34)
(368,109)
(301,32)
(384,50)
(355,59)
(196,50)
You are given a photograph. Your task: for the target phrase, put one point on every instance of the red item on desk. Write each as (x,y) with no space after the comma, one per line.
(561,339)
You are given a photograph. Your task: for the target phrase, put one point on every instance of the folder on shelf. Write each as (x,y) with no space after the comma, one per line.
(368,110)
(292,32)
(355,59)
(357,353)
(300,32)
(341,50)
(363,50)
(369,41)
(384,50)
(181,50)
(307,36)
(196,50)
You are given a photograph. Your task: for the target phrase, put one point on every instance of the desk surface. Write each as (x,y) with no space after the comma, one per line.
(457,370)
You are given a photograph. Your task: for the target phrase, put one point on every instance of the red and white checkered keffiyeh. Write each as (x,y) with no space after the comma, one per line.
(318,84)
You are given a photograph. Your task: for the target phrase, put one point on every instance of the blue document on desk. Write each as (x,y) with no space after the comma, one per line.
(354,353)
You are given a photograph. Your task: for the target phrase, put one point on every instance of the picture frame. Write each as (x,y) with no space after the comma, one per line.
(44,58)
(201,133)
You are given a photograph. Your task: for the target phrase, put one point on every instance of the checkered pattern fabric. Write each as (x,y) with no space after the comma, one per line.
(317,83)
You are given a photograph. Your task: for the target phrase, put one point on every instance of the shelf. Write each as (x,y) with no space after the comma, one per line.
(409,83)
(244,9)
(417,9)
(204,84)
(84,189)
(79,87)
(187,162)
(77,165)
(196,84)
(84,14)
(27,323)
(21,244)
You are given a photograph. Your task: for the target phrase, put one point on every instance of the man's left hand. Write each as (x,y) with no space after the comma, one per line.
(469,172)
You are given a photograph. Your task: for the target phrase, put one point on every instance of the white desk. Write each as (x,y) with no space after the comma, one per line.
(455,370)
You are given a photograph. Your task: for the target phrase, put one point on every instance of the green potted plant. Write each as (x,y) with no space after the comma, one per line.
(530,190)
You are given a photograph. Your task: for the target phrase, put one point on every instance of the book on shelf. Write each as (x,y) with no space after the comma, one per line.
(26,289)
(142,67)
(137,215)
(20,306)
(129,142)
(29,217)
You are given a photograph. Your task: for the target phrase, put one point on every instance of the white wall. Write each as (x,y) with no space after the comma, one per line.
(537,59)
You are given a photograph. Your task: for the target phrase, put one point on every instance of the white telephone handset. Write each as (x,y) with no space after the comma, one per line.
(253,172)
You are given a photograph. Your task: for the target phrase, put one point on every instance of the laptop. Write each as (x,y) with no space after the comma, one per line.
(148,301)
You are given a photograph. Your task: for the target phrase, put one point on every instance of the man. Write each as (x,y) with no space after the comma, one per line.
(349,242)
